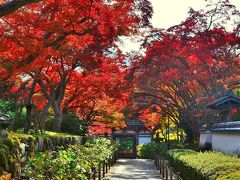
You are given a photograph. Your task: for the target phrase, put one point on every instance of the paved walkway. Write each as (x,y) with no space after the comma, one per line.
(133,169)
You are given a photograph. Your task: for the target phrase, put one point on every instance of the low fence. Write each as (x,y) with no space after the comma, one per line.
(165,170)
(99,173)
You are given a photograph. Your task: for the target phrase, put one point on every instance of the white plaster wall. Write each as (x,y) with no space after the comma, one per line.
(229,143)
(144,139)
(205,137)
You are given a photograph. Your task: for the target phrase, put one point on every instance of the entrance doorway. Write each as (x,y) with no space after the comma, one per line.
(127,146)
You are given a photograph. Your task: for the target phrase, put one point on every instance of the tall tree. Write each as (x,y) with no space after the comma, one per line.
(62,37)
(188,65)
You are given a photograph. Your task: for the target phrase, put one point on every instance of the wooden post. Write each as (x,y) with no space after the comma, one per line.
(89,175)
(155,159)
(99,172)
(115,157)
(178,176)
(94,173)
(106,166)
(160,166)
(163,169)
(171,173)
(103,169)
(166,172)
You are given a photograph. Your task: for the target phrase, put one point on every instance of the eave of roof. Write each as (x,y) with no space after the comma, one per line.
(229,130)
(223,100)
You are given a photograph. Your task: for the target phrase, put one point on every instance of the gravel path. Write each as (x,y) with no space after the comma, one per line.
(133,169)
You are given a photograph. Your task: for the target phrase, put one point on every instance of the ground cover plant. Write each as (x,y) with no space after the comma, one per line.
(16,148)
(75,162)
(205,165)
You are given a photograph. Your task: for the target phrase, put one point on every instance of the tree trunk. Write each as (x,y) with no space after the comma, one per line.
(191,128)
(44,114)
(58,116)
(28,119)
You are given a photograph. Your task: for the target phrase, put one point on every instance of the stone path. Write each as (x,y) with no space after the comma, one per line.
(133,169)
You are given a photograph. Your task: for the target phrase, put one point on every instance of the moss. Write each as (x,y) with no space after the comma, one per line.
(55,134)
(19,136)
(11,143)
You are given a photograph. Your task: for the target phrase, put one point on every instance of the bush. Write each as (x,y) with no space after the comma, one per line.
(206,165)
(15,148)
(149,150)
(73,124)
(9,108)
(72,163)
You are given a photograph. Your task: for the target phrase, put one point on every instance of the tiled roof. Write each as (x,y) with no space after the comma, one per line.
(223,100)
(237,129)
(233,126)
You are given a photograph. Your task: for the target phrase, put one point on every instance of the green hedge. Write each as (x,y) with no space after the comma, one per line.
(74,162)
(204,165)
(149,150)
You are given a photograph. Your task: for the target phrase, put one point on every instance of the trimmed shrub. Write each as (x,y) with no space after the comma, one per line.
(149,150)
(204,165)
(74,162)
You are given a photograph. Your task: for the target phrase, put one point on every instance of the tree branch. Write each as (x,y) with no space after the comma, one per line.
(12,6)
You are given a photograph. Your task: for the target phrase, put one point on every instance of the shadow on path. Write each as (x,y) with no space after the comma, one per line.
(133,169)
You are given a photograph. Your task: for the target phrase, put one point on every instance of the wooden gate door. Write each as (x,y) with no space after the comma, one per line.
(127,146)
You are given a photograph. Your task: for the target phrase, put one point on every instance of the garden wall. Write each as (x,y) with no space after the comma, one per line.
(226,142)
(16,148)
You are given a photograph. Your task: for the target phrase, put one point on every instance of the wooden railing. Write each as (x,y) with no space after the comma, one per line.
(102,170)
(165,170)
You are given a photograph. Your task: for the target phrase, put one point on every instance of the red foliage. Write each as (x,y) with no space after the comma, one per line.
(62,51)
(187,65)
